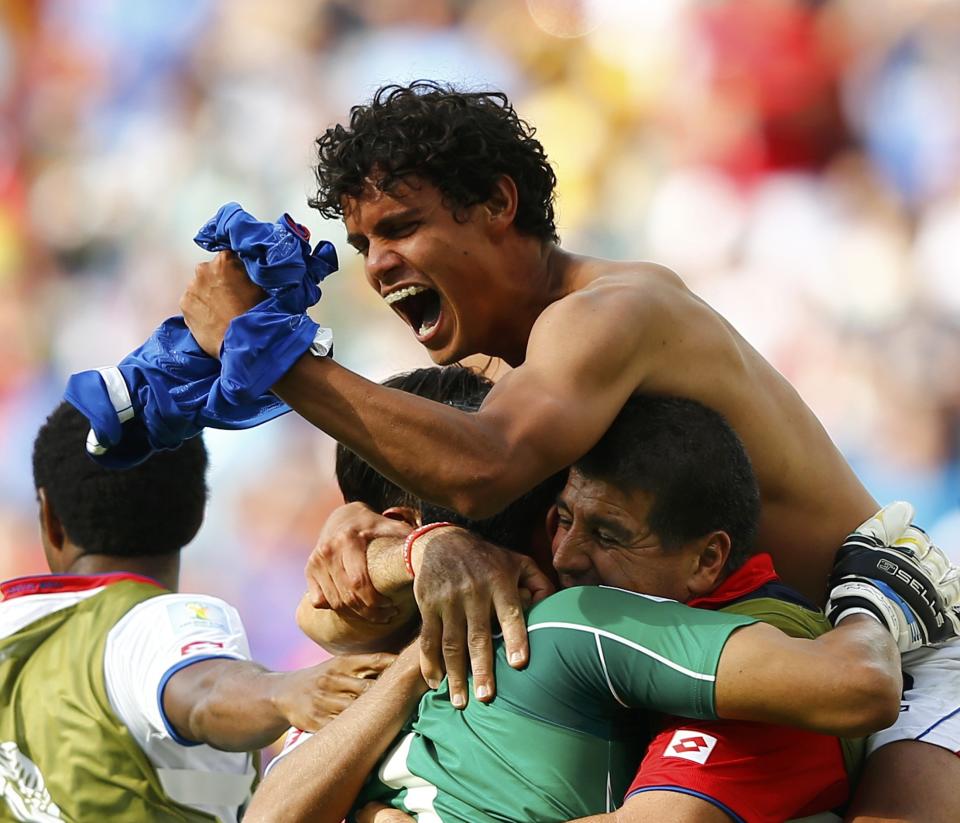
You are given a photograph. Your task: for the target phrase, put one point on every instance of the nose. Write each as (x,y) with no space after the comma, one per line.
(382,266)
(569,558)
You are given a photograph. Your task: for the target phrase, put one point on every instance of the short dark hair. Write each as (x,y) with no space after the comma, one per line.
(454,385)
(692,462)
(461,142)
(465,389)
(151,509)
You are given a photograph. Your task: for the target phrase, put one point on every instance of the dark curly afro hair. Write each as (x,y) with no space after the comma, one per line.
(152,509)
(461,142)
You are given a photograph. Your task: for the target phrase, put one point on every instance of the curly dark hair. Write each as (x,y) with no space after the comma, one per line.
(461,142)
(151,509)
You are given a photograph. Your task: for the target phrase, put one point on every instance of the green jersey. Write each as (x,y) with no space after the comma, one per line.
(559,740)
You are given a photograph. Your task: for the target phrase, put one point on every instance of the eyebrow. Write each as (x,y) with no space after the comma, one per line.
(384,224)
(595,521)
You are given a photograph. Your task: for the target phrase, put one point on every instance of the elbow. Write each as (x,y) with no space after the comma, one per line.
(481,500)
(477,506)
(884,699)
(310,622)
(877,700)
(482,491)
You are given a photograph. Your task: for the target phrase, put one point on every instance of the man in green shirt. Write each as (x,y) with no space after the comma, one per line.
(559,739)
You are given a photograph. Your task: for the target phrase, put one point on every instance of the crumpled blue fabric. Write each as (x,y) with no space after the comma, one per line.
(277,257)
(175,389)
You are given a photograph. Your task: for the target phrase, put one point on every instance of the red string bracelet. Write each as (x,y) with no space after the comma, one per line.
(411,538)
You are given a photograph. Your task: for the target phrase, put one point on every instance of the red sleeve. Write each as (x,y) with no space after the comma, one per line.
(755,772)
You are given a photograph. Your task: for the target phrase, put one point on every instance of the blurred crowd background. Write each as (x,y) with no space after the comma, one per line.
(798,163)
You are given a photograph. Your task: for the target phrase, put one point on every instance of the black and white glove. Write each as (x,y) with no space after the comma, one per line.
(888,568)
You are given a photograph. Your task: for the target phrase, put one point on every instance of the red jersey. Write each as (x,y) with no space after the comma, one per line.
(755,772)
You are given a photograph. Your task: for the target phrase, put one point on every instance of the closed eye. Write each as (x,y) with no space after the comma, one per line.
(608,539)
(400,231)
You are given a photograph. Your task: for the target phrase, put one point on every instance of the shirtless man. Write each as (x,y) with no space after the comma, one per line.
(448,197)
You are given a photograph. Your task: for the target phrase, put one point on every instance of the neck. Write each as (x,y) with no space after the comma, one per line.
(545,273)
(165,568)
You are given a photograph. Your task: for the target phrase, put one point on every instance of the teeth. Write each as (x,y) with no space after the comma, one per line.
(402,294)
(426,329)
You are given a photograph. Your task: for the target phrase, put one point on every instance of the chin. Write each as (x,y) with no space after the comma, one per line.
(453,352)
(442,357)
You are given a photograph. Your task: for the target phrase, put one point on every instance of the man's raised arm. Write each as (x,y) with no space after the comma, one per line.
(537,420)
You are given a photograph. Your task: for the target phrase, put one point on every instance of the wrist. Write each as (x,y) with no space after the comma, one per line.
(417,541)
(277,698)
(860,616)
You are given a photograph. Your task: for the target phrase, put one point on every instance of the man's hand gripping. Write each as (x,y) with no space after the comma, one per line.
(311,698)
(220,290)
(337,574)
(888,568)
(461,582)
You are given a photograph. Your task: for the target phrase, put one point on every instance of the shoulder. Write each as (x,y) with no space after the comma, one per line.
(578,599)
(635,285)
(180,623)
(791,618)
(156,639)
(599,608)
(622,301)
(179,610)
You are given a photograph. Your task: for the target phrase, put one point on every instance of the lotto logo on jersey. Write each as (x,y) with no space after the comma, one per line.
(690,745)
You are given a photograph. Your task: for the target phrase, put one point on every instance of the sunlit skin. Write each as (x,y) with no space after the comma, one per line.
(410,238)
(501,292)
(601,537)
(583,335)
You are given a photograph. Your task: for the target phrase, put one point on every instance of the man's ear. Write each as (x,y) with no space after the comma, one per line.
(501,205)
(404,513)
(711,561)
(52,535)
(553,519)
(51,529)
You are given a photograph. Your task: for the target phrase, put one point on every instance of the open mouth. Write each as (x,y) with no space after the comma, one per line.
(419,306)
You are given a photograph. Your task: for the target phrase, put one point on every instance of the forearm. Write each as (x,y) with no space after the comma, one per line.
(846,682)
(344,633)
(451,457)
(320,780)
(229,705)
(869,681)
